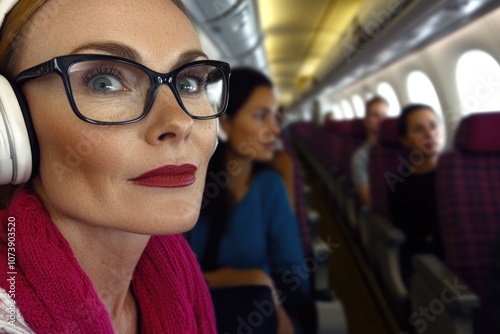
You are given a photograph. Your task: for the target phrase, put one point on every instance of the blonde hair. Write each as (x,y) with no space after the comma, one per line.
(14,29)
(12,32)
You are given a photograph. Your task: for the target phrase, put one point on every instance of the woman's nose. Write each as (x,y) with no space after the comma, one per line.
(167,118)
(274,126)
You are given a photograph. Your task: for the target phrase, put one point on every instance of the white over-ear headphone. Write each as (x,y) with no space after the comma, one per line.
(16,132)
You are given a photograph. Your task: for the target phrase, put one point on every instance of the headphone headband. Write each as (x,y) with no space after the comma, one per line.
(18,140)
(5,7)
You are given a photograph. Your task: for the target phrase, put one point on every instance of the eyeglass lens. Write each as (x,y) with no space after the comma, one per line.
(112,91)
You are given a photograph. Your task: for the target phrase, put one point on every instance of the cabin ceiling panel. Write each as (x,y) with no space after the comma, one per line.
(300,37)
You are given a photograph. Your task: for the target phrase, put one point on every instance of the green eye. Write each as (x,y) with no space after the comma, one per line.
(188,86)
(105,84)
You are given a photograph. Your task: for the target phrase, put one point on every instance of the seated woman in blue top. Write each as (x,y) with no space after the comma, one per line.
(247,233)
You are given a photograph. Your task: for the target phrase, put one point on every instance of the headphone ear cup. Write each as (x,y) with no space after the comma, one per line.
(16,159)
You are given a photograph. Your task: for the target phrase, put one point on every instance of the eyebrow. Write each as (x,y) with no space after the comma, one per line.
(189,56)
(125,51)
(113,48)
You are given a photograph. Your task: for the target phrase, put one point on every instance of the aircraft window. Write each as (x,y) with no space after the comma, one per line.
(386,91)
(337,112)
(359,106)
(347,109)
(478,82)
(421,90)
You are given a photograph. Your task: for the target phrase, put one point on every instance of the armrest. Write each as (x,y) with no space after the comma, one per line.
(321,282)
(429,270)
(382,242)
(447,301)
(313,219)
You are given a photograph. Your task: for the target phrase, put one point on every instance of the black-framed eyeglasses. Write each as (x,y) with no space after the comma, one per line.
(110,90)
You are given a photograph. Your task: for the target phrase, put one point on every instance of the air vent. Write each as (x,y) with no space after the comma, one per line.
(234,26)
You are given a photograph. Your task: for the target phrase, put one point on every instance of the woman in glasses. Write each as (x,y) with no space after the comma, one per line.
(247,233)
(122,102)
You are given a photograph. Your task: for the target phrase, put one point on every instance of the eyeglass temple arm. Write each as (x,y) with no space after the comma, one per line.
(37,71)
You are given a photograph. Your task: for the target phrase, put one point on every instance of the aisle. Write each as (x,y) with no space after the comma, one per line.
(345,276)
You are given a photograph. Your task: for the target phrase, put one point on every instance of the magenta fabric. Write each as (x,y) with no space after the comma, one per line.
(468,194)
(389,164)
(479,133)
(300,204)
(55,295)
(388,133)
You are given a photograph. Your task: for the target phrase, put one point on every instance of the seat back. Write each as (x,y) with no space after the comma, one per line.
(356,138)
(244,309)
(303,131)
(386,165)
(300,204)
(330,143)
(468,194)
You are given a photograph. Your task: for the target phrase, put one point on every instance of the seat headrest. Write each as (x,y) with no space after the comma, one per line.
(331,125)
(388,133)
(345,127)
(479,133)
(359,128)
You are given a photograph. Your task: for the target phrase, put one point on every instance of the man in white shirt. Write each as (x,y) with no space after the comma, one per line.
(376,111)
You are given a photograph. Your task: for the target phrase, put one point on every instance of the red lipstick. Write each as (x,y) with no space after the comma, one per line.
(169,176)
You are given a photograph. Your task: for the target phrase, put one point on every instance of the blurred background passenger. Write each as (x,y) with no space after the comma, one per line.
(413,202)
(247,233)
(376,111)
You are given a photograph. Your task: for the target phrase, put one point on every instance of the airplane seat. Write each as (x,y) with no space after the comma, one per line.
(233,316)
(303,131)
(328,310)
(380,239)
(357,139)
(347,148)
(328,150)
(468,191)
(386,164)
(494,286)
(318,146)
(352,135)
(299,194)
(448,302)
(332,145)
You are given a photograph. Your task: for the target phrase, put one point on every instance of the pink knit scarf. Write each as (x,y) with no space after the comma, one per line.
(55,296)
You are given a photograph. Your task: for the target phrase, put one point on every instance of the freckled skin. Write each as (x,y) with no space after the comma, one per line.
(85,169)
